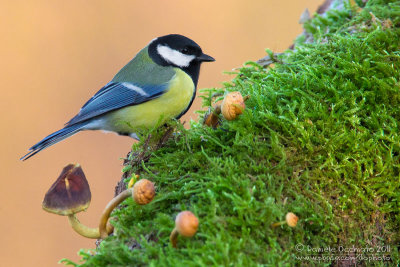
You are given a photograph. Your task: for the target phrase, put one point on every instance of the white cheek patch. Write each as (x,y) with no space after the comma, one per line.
(175,57)
(134,88)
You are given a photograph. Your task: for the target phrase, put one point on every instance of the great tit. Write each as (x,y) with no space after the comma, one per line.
(157,85)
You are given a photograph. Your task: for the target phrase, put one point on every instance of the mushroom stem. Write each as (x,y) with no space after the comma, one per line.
(82,229)
(274,225)
(174,237)
(109,208)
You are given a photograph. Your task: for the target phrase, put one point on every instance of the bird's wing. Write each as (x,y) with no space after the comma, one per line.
(116,95)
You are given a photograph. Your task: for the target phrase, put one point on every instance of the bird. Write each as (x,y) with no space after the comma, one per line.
(157,85)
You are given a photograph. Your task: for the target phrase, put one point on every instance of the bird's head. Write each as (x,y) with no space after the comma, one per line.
(178,51)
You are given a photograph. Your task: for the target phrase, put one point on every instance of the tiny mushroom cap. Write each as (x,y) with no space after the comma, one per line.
(69,194)
(186,223)
(211,118)
(291,219)
(232,105)
(143,192)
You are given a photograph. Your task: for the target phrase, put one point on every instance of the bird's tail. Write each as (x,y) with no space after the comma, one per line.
(53,139)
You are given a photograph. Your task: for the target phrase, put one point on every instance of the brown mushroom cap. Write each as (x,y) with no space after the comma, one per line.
(232,105)
(211,118)
(69,194)
(143,192)
(291,219)
(186,223)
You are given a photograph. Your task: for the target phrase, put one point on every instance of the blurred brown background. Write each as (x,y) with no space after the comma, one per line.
(56,54)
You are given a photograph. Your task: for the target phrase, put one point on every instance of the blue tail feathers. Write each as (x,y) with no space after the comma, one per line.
(53,139)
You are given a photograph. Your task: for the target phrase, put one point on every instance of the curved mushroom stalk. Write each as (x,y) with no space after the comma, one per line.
(86,231)
(143,192)
(82,229)
(109,208)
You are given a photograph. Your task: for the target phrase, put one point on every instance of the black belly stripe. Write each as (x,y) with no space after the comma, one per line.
(188,107)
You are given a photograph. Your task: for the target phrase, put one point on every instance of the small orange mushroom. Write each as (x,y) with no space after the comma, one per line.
(186,224)
(143,194)
(232,105)
(291,220)
(211,118)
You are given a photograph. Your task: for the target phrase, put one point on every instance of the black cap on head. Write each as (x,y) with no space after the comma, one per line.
(176,50)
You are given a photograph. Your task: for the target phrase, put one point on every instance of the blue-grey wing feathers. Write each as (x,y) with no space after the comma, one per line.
(53,138)
(113,96)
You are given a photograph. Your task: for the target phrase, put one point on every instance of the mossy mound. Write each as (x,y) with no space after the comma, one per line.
(319,137)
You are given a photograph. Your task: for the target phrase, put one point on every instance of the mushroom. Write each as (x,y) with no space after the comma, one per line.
(211,118)
(142,192)
(70,194)
(290,219)
(186,224)
(233,105)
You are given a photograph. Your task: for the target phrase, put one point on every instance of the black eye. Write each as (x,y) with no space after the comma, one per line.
(185,50)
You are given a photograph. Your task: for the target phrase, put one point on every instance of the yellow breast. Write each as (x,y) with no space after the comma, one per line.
(145,116)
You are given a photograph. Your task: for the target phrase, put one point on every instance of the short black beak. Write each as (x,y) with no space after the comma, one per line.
(205,58)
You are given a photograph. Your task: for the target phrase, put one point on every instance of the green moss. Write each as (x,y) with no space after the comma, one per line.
(319,137)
